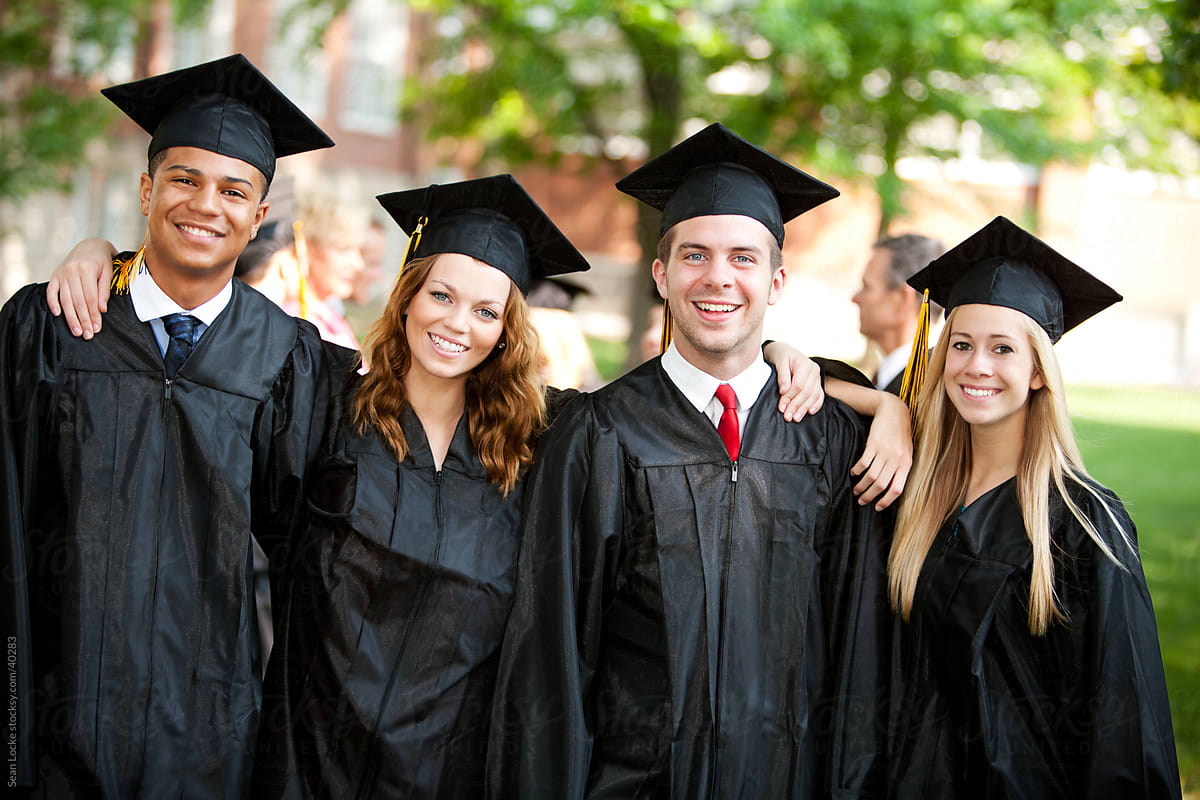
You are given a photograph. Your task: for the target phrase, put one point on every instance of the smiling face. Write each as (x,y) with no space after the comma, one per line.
(456,317)
(202,208)
(718,281)
(990,367)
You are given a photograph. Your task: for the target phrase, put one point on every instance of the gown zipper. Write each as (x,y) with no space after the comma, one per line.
(372,765)
(716,740)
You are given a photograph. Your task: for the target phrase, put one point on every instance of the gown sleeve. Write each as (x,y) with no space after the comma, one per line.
(289,430)
(541,737)
(30,353)
(832,368)
(1128,746)
(857,619)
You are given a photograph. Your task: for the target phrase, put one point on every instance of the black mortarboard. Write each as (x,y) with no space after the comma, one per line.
(1003,265)
(718,172)
(492,219)
(226,106)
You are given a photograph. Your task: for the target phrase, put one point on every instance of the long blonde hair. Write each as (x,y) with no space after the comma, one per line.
(942,469)
(505,403)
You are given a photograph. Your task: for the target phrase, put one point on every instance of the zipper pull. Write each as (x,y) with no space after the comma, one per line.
(735,471)
(169,383)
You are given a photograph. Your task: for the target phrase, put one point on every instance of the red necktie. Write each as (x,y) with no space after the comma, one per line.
(728,427)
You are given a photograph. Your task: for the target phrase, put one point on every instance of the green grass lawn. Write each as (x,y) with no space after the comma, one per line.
(1145,446)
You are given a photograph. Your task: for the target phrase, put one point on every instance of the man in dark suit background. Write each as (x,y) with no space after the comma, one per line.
(887,306)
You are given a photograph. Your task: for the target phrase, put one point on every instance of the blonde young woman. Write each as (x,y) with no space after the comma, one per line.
(1030,664)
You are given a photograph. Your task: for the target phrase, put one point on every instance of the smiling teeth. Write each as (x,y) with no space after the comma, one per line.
(446,344)
(716,306)
(979,392)
(196,231)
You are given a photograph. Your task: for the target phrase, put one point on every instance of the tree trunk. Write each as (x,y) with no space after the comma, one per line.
(662,85)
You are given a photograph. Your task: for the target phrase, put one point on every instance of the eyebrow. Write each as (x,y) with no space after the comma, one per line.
(451,288)
(743,248)
(199,174)
(966,335)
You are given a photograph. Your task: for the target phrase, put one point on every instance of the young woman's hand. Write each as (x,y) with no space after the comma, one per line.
(79,287)
(800,391)
(888,457)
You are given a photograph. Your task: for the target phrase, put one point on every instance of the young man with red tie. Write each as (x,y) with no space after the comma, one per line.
(700,609)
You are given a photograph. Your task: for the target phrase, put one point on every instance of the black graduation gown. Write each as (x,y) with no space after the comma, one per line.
(689,628)
(987,710)
(127,520)
(382,686)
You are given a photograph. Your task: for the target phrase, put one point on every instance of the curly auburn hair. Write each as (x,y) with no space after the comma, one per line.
(505,401)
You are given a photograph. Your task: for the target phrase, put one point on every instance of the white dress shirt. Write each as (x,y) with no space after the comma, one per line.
(700,388)
(892,365)
(151,304)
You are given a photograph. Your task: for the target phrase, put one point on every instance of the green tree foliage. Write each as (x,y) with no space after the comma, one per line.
(848,86)
(1181,64)
(48,111)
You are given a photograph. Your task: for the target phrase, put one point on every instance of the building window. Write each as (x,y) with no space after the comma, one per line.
(374,66)
(209,38)
(296,62)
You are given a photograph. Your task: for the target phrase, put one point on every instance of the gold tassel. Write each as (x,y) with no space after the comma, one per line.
(126,271)
(413,242)
(301,267)
(666,331)
(918,360)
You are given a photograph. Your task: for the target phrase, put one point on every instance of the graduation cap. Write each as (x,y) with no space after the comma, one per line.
(1003,265)
(492,219)
(718,172)
(225,106)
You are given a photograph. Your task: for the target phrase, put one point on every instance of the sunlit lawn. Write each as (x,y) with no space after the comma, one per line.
(1145,445)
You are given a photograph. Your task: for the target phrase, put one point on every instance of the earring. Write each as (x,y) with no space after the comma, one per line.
(501,345)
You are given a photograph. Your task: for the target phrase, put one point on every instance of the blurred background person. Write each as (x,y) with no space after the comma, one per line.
(331,260)
(566,360)
(888,307)
(651,341)
(373,250)
(259,265)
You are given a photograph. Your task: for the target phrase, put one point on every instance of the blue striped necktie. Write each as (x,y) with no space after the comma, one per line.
(182,330)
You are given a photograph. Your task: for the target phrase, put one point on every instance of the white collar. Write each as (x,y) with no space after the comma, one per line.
(699,387)
(151,302)
(892,365)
